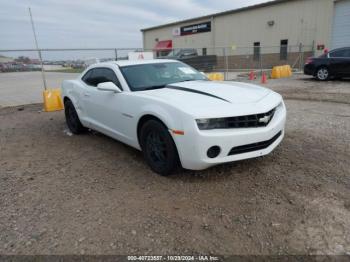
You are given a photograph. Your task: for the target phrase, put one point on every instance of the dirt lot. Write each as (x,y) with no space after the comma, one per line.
(303,87)
(89,194)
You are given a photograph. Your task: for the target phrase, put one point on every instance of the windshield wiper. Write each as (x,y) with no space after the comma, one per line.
(186,80)
(162,86)
(153,87)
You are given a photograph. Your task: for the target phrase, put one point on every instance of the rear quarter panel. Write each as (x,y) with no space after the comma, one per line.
(72,89)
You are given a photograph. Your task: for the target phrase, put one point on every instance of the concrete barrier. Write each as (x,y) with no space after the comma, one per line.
(281,72)
(216,76)
(52,100)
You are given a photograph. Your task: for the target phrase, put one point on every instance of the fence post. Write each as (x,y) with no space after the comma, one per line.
(116,54)
(260,61)
(300,56)
(39,51)
(226,64)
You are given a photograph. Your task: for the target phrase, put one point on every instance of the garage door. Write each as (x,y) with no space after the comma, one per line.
(341,24)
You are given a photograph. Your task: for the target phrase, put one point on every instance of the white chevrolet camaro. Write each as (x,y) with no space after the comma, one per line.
(174,114)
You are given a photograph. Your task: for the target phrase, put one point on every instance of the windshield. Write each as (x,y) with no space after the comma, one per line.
(174,53)
(181,52)
(158,75)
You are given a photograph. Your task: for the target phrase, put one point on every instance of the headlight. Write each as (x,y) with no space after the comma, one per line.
(212,123)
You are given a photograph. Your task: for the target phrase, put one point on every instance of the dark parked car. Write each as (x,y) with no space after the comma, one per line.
(334,64)
(205,63)
(182,53)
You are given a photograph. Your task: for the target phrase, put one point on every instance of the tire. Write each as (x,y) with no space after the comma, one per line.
(72,118)
(323,74)
(158,148)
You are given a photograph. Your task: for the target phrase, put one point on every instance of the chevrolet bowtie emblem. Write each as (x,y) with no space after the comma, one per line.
(265,119)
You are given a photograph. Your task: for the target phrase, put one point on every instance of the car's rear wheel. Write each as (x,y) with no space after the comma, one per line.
(323,74)
(72,118)
(158,148)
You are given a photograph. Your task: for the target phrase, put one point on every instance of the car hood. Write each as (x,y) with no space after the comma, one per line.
(200,97)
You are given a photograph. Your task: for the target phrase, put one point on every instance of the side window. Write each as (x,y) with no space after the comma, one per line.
(89,77)
(338,53)
(110,75)
(100,75)
(86,77)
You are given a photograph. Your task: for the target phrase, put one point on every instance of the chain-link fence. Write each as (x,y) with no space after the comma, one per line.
(219,59)
(66,60)
(230,60)
(22,85)
(21,81)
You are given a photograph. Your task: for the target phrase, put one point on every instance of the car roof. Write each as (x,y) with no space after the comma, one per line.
(122,63)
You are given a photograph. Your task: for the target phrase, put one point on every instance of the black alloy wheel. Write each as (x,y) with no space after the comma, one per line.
(72,118)
(158,148)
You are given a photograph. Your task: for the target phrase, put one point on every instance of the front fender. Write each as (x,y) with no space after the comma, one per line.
(171,117)
(71,89)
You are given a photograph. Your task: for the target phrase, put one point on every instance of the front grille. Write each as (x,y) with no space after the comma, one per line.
(254,147)
(257,120)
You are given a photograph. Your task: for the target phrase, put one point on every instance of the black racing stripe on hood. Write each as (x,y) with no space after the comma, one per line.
(196,92)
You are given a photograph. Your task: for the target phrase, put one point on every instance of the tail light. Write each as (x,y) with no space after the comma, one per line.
(309,60)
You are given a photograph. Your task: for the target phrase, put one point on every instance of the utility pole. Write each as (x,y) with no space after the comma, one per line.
(37,48)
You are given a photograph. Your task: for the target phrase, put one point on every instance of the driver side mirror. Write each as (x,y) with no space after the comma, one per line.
(108,86)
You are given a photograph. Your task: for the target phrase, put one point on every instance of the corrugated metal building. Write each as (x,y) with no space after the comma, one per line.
(274,30)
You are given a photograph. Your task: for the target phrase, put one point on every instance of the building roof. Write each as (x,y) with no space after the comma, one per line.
(269,3)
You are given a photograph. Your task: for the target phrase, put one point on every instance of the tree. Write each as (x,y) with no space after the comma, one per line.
(23,59)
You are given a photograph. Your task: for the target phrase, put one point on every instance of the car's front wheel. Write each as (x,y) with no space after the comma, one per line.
(158,148)
(322,74)
(72,118)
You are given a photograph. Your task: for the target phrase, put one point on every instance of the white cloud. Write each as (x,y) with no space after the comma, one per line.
(96,23)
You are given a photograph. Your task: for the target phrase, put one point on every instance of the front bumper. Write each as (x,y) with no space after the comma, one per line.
(193,146)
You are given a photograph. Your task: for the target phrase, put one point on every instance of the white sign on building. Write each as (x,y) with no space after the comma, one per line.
(176,31)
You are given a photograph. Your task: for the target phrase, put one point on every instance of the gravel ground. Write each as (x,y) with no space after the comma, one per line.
(89,194)
(302,87)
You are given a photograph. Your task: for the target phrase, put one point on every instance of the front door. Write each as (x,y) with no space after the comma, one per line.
(340,62)
(104,108)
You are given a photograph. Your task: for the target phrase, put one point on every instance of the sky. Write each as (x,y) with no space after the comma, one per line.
(96,23)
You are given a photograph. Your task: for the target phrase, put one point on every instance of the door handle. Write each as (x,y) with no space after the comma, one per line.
(86,94)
